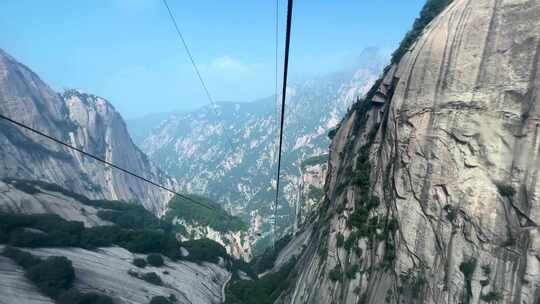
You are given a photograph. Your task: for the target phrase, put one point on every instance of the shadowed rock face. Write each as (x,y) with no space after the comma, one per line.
(454,159)
(83,120)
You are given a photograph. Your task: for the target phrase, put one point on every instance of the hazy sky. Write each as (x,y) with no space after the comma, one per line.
(127,51)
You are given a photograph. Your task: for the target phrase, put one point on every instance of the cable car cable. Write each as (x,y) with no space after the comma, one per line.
(284,94)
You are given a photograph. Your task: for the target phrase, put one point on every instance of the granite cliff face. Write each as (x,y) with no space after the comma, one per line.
(432,189)
(83,120)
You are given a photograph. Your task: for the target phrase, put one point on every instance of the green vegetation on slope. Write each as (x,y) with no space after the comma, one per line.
(204,250)
(133,216)
(135,228)
(155,259)
(34,187)
(48,230)
(52,276)
(129,215)
(261,291)
(431,9)
(216,218)
(315,160)
(139,262)
(266,260)
(468,267)
(76,297)
(505,190)
(315,193)
(160,300)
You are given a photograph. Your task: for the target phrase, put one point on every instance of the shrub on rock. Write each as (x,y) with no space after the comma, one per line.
(160,300)
(152,278)
(52,276)
(76,297)
(141,263)
(155,260)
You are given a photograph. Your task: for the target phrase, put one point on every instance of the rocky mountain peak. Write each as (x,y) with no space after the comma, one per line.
(73,96)
(80,119)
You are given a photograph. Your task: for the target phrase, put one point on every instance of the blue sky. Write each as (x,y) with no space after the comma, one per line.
(127,50)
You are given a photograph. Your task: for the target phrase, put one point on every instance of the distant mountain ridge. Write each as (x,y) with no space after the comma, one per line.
(193,147)
(141,127)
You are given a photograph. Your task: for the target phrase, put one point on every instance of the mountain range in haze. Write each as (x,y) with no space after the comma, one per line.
(194,147)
